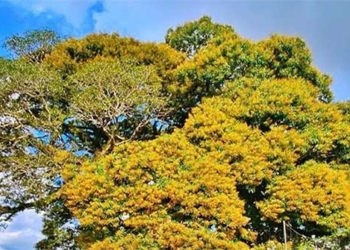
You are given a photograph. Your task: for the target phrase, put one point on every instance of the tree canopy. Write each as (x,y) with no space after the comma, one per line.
(206,141)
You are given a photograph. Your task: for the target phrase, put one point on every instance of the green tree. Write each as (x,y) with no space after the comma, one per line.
(192,36)
(34,45)
(225,57)
(30,111)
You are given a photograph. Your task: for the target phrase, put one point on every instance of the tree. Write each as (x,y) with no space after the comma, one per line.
(176,198)
(48,118)
(34,45)
(236,57)
(31,111)
(242,163)
(197,143)
(192,36)
(227,57)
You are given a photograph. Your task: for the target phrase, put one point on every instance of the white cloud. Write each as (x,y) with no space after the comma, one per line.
(23,232)
(74,11)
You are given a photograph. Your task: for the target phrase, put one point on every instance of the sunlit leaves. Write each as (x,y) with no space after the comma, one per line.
(72,54)
(163,187)
(314,192)
(227,58)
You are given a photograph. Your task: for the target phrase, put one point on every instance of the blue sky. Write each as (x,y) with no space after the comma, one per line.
(322,24)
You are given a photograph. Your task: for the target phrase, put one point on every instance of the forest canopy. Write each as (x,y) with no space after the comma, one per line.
(206,141)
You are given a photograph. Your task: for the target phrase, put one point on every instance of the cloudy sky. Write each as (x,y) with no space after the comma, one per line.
(22,233)
(324,25)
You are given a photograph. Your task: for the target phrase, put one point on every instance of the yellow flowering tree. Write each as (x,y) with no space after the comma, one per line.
(261,153)
(206,141)
(166,193)
(264,144)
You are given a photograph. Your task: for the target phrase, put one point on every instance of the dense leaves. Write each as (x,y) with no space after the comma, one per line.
(72,54)
(193,36)
(164,194)
(256,151)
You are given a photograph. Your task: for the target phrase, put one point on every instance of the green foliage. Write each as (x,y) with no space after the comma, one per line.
(31,114)
(58,236)
(193,36)
(33,46)
(226,57)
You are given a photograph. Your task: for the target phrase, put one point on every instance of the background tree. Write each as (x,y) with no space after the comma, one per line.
(31,111)
(192,36)
(34,45)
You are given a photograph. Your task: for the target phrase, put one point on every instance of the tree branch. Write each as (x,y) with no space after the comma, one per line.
(7,212)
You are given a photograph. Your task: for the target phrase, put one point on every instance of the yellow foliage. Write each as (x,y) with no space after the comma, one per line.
(72,54)
(314,191)
(191,189)
(159,188)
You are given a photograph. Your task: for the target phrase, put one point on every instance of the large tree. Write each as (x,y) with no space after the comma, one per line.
(207,141)
(50,115)
(262,153)
(227,57)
